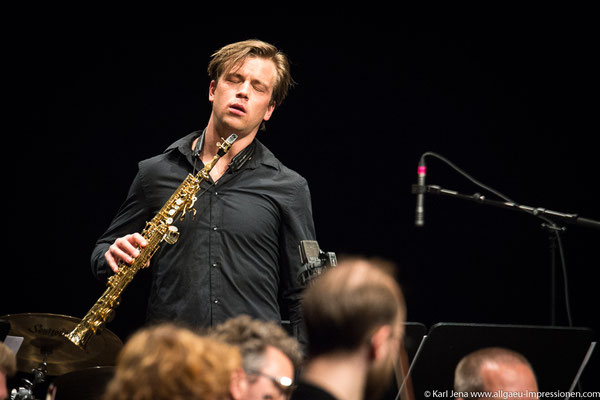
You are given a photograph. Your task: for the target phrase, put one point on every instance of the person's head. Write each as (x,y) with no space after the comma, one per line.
(357,306)
(270,356)
(171,362)
(8,366)
(248,80)
(495,369)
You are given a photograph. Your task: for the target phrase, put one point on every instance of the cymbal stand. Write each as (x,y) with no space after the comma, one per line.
(26,392)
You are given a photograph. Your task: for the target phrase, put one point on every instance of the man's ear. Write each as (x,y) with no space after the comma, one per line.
(238,385)
(269,112)
(380,342)
(211,90)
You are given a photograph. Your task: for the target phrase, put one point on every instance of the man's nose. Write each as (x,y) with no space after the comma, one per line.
(243,89)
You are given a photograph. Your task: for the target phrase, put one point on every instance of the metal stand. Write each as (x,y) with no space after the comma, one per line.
(28,390)
(546,215)
(553,231)
(543,213)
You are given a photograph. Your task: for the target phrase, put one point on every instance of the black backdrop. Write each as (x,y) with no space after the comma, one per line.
(511,99)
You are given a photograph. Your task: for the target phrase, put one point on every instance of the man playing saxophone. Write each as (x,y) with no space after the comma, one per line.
(239,252)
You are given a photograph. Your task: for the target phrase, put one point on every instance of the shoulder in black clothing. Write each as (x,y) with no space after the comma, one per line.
(307,391)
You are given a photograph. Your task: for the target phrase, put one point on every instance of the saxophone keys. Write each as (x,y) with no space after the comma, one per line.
(172,235)
(191,207)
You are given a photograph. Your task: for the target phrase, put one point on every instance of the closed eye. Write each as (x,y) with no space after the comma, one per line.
(237,79)
(259,88)
(233,79)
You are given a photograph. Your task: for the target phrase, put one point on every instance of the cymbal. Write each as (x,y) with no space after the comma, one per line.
(43,341)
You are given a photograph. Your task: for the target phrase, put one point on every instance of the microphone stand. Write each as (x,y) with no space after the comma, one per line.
(545,214)
(573,219)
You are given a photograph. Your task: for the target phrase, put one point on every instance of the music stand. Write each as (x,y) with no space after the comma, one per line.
(4,329)
(413,336)
(414,332)
(556,353)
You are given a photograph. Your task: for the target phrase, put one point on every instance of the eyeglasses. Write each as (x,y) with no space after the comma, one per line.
(283,383)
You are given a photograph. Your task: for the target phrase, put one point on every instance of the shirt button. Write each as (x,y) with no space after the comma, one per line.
(215,265)
(216,301)
(215,228)
(216,193)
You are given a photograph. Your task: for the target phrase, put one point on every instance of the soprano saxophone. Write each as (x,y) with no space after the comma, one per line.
(159,229)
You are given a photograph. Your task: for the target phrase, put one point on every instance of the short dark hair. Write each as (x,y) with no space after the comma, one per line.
(344,306)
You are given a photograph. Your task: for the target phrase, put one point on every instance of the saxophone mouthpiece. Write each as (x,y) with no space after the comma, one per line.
(224,147)
(232,138)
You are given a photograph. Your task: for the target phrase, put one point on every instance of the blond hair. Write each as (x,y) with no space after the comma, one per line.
(8,361)
(170,362)
(234,54)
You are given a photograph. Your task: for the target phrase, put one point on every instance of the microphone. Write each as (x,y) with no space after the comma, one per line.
(419,189)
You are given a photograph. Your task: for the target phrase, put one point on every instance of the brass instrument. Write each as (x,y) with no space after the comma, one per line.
(159,229)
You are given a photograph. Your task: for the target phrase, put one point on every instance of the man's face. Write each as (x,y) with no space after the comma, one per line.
(242,96)
(261,384)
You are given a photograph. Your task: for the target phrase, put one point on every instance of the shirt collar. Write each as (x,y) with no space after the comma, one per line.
(263,155)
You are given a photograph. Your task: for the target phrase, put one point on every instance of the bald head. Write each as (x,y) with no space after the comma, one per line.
(493,370)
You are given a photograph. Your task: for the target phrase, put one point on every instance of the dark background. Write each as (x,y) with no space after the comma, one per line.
(508,96)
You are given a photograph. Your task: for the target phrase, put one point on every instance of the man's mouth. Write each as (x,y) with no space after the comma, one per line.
(237,108)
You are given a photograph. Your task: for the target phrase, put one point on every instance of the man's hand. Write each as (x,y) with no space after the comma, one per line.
(124,249)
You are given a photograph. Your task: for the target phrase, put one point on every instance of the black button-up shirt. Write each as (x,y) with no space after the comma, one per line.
(237,255)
